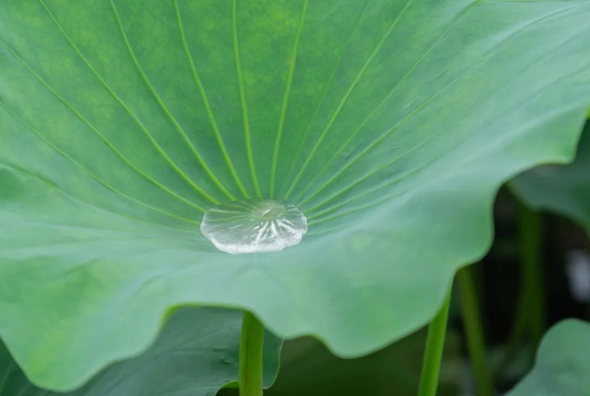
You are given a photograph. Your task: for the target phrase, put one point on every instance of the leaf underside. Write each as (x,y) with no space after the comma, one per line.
(562,363)
(563,189)
(196,354)
(390,124)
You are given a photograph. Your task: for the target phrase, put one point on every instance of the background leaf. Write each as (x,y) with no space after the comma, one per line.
(391,124)
(561,189)
(195,355)
(307,367)
(562,363)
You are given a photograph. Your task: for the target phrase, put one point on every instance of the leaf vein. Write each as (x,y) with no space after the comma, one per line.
(292,63)
(79,201)
(372,114)
(392,182)
(344,99)
(107,142)
(243,102)
(325,92)
(207,104)
(172,119)
(120,101)
(428,101)
(92,174)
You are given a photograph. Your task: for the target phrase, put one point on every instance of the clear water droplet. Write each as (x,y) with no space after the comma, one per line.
(254,226)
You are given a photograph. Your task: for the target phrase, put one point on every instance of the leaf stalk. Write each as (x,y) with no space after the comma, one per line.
(434,350)
(251,348)
(530,230)
(474,332)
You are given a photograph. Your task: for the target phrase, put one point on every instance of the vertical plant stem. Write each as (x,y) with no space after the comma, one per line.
(530,313)
(532,285)
(519,328)
(251,345)
(434,350)
(474,332)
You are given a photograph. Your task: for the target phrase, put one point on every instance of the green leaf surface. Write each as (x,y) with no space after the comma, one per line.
(562,364)
(563,189)
(195,355)
(390,124)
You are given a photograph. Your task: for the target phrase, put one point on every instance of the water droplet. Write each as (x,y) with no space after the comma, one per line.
(254,226)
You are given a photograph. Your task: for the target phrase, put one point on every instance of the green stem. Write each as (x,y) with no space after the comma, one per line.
(532,284)
(529,319)
(519,328)
(434,350)
(251,345)
(474,332)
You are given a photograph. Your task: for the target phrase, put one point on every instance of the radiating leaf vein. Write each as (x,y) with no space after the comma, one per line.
(207,104)
(107,142)
(51,184)
(175,122)
(422,106)
(247,135)
(326,88)
(345,98)
(364,193)
(318,173)
(292,63)
(92,174)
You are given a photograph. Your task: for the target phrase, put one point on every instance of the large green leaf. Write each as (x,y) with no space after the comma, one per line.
(562,365)
(564,189)
(196,355)
(391,124)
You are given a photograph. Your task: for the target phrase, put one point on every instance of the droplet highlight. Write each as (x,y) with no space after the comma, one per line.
(254,226)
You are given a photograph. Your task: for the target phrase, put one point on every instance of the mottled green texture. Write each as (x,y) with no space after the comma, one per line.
(562,365)
(121,121)
(563,189)
(195,355)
